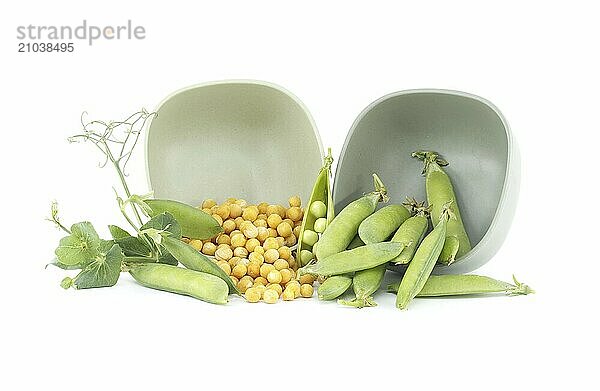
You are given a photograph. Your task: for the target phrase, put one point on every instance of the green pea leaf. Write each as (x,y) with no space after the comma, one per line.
(131,245)
(62,266)
(163,222)
(102,271)
(135,247)
(118,233)
(166,257)
(80,247)
(154,234)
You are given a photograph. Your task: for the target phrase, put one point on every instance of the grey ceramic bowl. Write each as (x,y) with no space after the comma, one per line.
(234,138)
(467,130)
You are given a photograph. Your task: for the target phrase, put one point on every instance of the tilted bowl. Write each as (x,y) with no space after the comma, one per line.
(235,138)
(468,131)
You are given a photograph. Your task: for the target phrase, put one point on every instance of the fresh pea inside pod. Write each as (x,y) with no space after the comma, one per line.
(319,212)
(342,230)
(439,193)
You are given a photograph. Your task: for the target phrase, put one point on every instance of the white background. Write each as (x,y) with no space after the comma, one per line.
(536,62)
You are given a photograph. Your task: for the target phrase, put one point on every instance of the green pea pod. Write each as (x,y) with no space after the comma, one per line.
(360,258)
(195,224)
(450,250)
(321,192)
(439,193)
(203,286)
(466,284)
(344,226)
(382,224)
(364,284)
(411,232)
(374,229)
(422,264)
(192,259)
(334,287)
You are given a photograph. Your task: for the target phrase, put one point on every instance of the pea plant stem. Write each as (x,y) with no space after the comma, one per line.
(55,219)
(101,140)
(63,228)
(115,163)
(59,225)
(121,176)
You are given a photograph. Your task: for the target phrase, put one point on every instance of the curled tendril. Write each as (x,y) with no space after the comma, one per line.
(115,139)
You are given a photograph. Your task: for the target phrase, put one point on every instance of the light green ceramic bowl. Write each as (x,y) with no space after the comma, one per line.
(234,138)
(469,131)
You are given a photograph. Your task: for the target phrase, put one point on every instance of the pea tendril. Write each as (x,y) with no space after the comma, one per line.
(116,140)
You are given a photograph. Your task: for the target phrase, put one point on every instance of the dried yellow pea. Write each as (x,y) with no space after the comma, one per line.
(306,290)
(238,240)
(208,203)
(223,254)
(281,264)
(256,257)
(274,220)
(197,244)
(252,295)
(218,218)
(271,255)
(235,211)
(288,295)
(265,268)
(294,201)
(270,296)
(276,287)
(274,276)
(250,213)
(240,252)
(262,207)
(284,229)
(239,270)
(225,267)
(228,226)
(286,275)
(261,280)
(253,269)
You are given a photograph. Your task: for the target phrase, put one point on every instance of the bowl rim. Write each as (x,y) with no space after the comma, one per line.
(511,161)
(255,82)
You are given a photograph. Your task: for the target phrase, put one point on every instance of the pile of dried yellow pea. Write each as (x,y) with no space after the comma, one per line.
(255,248)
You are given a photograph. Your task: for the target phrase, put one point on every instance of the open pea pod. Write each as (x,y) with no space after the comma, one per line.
(321,193)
